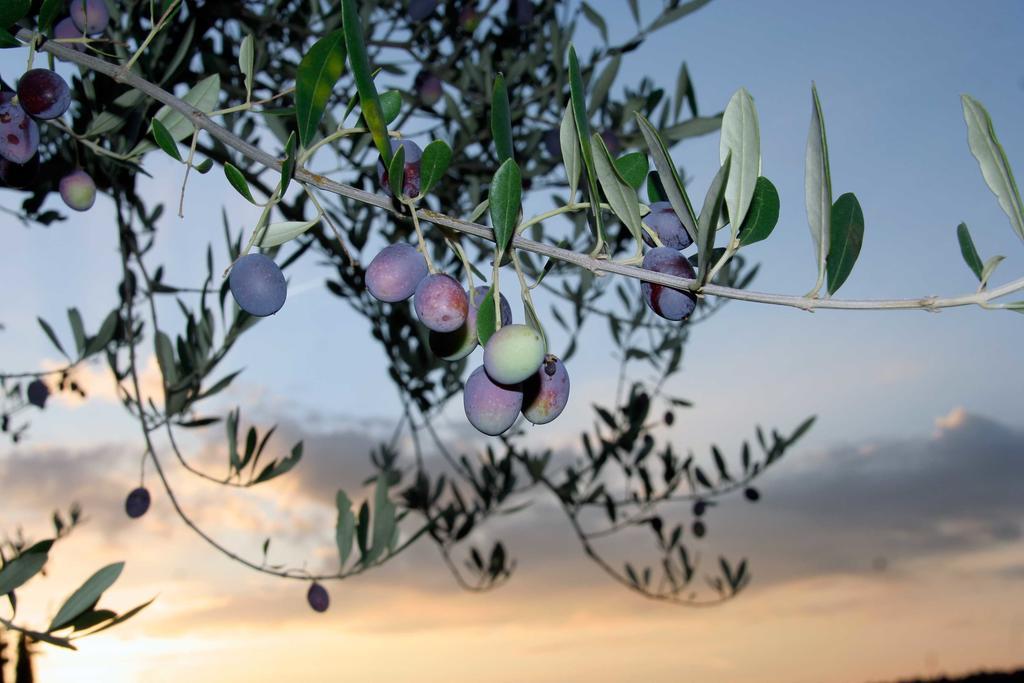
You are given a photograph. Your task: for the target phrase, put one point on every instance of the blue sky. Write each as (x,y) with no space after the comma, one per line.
(929,395)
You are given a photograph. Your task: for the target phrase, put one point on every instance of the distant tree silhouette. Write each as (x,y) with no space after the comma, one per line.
(23,669)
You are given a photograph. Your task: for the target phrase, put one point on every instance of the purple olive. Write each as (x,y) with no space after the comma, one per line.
(666,224)
(421,9)
(78,190)
(19,134)
(411,184)
(546,392)
(611,141)
(669,303)
(44,94)
(522,10)
(258,285)
(37,393)
(453,346)
(394,273)
(90,16)
(429,88)
(137,503)
(552,143)
(491,407)
(317,598)
(65,29)
(440,302)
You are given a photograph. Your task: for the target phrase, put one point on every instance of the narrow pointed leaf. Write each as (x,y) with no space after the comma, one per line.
(238,182)
(345,528)
(741,136)
(579,111)
(164,140)
(501,120)
(48,13)
(86,595)
(707,221)
(995,167)
(968,250)
(383,521)
(288,166)
(571,154)
(486,318)
(19,570)
(847,236)
(359,62)
(676,13)
(818,189)
(621,196)
(120,619)
(204,96)
(990,267)
(246,63)
(318,72)
(670,180)
(505,201)
(434,164)
(52,336)
(279,233)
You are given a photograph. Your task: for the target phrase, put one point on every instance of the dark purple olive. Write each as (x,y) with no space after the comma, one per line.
(37,393)
(317,598)
(137,502)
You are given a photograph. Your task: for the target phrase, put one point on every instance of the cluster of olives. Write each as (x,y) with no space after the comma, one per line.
(517,375)
(42,95)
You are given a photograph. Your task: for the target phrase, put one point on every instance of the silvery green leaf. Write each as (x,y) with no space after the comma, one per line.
(990,267)
(246,59)
(345,528)
(383,521)
(570,151)
(742,137)
(203,96)
(706,221)
(691,128)
(87,595)
(19,570)
(818,189)
(279,233)
(981,136)
(621,196)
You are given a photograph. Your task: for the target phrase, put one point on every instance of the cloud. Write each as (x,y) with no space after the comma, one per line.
(862,507)
(853,510)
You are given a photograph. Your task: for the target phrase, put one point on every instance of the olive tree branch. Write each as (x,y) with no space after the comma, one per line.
(596,265)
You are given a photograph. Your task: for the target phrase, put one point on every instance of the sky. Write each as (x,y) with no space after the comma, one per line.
(894,529)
